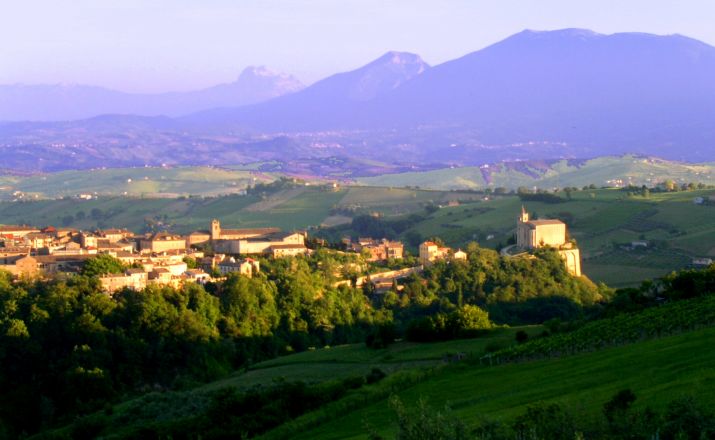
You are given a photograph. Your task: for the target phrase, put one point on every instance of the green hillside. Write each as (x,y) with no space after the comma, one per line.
(604,171)
(295,208)
(657,371)
(603,222)
(154,181)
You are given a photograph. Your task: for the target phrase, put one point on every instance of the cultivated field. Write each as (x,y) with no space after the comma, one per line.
(603,171)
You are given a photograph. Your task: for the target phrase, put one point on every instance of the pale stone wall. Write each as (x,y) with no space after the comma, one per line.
(572,260)
(550,235)
(163,245)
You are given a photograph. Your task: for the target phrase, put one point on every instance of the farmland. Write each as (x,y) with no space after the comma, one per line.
(602,171)
(604,222)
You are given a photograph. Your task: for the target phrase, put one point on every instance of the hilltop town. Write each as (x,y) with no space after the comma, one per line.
(170,259)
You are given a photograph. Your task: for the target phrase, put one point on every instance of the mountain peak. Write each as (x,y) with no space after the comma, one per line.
(395,57)
(567,32)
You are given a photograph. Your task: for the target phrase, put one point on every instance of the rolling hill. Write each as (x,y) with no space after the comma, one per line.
(537,95)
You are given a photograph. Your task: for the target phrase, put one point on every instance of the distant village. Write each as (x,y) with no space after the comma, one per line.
(170,259)
(160,258)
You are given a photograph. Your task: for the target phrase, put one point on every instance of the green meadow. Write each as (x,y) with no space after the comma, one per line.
(604,222)
(657,371)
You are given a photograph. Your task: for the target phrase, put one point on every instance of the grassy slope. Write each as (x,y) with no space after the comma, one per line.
(288,210)
(168,181)
(600,218)
(657,371)
(348,360)
(316,366)
(598,171)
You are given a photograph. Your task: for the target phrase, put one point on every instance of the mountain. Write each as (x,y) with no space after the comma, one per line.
(67,102)
(329,101)
(565,94)
(608,94)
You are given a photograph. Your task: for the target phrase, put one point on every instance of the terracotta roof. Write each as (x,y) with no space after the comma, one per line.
(17,228)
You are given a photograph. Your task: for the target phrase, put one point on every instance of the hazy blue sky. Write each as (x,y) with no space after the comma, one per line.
(158,45)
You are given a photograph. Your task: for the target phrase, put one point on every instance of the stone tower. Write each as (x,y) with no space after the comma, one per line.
(215,229)
(524,217)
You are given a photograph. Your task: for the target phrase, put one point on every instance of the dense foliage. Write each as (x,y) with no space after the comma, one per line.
(67,349)
(676,303)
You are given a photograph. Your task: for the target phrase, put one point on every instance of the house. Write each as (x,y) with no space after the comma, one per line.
(163,276)
(430,251)
(15,232)
(288,250)
(62,263)
(115,235)
(135,279)
(380,250)
(246,267)
(161,242)
(20,266)
(197,276)
(459,255)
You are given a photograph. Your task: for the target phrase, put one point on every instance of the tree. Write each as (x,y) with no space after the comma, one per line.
(101,265)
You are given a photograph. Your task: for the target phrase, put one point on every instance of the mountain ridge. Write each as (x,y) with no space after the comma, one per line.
(61,102)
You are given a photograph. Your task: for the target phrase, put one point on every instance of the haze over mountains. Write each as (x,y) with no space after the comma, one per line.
(569,93)
(67,102)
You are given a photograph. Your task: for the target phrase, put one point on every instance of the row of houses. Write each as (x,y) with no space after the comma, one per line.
(377,250)
(156,258)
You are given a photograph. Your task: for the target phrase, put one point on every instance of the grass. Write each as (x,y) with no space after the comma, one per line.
(154,181)
(357,359)
(401,360)
(657,371)
(603,171)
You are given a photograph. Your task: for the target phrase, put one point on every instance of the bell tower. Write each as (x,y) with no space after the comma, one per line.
(524,217)
(215,229)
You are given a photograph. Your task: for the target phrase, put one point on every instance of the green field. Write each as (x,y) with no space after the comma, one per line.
(603,221)
(153,181)
(296,208)
(314,366)
(603,171)
(657,371)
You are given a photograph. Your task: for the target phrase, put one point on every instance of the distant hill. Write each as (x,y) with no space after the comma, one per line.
(602,171)
(537,95)
(66,102)
(329,103)
(589,92)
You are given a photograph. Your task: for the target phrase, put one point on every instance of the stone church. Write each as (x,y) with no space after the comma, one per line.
(532,234)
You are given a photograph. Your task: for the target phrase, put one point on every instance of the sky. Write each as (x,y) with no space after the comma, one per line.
(163,45)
